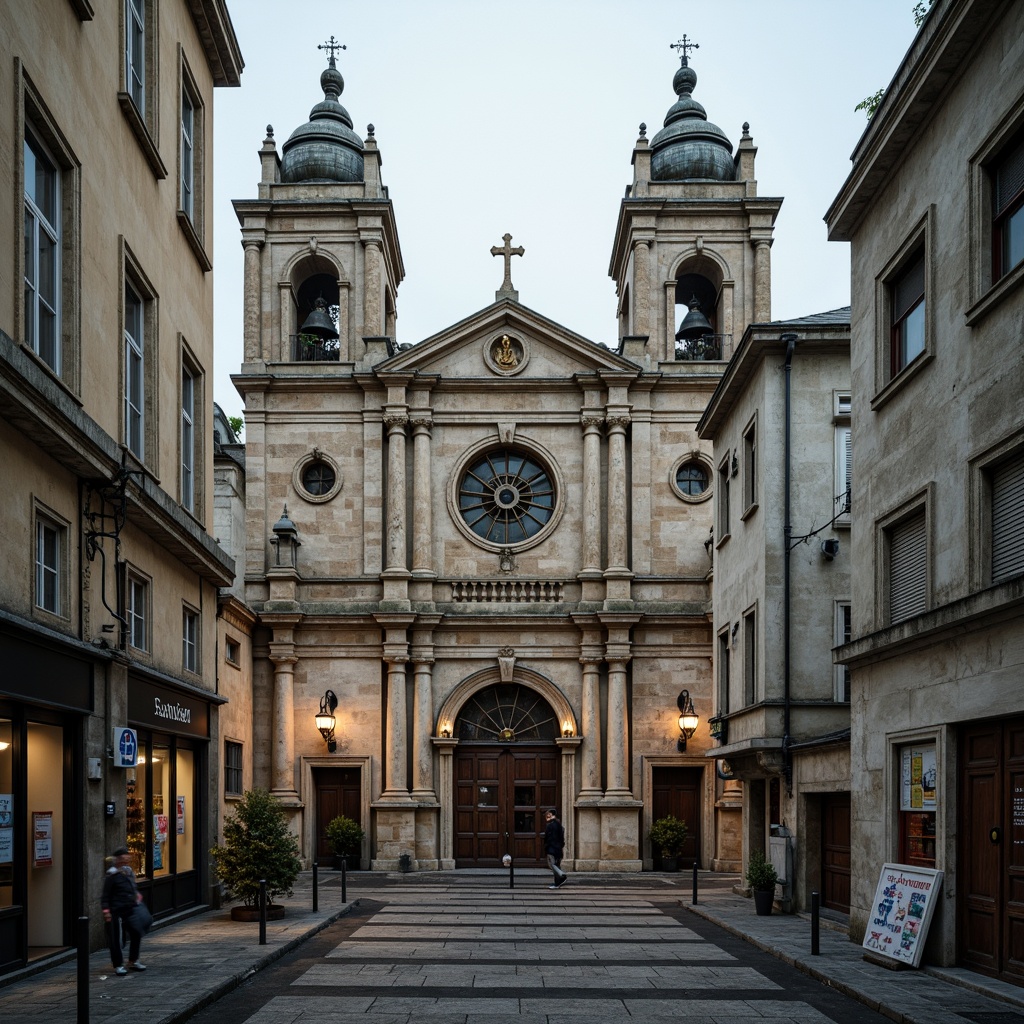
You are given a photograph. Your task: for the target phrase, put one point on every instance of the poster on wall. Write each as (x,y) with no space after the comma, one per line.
(918,779)
(6,828)
(180,827)
(42,839)
(901,912)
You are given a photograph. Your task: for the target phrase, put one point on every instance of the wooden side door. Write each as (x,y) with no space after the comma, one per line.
(337,792)
(835,852)
(1012,848)
(677,791)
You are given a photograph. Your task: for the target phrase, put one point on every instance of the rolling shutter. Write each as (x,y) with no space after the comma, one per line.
(908,569)
(1008,519)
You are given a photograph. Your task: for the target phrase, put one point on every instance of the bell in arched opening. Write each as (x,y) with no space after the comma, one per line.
(319,322)
(695,324)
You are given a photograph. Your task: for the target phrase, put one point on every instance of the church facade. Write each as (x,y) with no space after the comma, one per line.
(485,558)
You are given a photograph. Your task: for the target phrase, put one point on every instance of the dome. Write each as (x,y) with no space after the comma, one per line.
(689,146)
(325,148)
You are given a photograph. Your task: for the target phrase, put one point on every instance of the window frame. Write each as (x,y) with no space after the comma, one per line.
(903,312)
(722,671)
(888,378)
(41,225)
(919,505)
(45,518)
(234,772)
(751,478)
(137,623)
(190,639)
(699,459)
(192,219)
(235,660)
(842,634)
(35,122)
(723,529)
(191,434)
(842,468)
(133,278)
(750,654)
(981,468)
(142,112)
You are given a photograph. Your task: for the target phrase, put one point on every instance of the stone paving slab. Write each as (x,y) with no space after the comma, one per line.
(531,951)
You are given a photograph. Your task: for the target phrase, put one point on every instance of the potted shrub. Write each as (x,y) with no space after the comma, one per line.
(344,838)
(257,845)
(761,877)
(667,835)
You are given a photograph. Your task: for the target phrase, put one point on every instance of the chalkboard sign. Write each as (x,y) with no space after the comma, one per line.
(901,912)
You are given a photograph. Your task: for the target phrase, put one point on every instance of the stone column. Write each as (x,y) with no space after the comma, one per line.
(618,729)
(283,658)
(641,288)
(251,301)
(372,290)
(669,337)
(395,777)
(618,541)
(590,725)
(762,281)
(446,748)
(422,755)
(568,746)
(592,491)
(422,526)
(395,512)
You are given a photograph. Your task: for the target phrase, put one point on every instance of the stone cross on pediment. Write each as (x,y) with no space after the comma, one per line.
(506,291)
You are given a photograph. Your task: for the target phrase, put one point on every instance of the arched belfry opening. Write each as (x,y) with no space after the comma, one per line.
(698,311)
(316,312)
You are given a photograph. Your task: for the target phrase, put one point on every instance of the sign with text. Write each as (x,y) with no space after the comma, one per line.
(901,912)
(165,710)
(126,747)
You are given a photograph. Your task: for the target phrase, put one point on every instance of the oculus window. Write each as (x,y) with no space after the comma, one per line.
(506,496)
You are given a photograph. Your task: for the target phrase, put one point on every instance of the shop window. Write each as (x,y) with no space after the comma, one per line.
(918,804)
(6,814)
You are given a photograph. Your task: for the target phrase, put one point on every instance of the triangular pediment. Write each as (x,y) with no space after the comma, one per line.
(506,340)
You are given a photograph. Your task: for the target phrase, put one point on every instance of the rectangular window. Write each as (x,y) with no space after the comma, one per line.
(907,336)
(750,467)
(907,542)
(135,52)
(188,438)
(134,373)
(190,640)
(723,672)
(1007,511)
(723,501)
(232,768)
(843,473)
(750,657)
(843,635)
(137,611)
(42,254)
(188,154)
(1008,209)
(50,542)
(232,652)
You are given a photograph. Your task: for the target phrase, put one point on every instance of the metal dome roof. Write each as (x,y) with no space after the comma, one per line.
(325,148)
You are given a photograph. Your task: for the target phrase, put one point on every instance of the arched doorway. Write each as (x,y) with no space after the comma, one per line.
(507,770)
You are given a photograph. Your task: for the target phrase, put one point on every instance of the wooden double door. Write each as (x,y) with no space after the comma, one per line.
(501,794)
(990,883)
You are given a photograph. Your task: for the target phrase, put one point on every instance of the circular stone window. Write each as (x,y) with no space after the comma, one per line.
(506,497)
(691,478)
(317,477)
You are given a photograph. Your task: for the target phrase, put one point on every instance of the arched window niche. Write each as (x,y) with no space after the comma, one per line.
(315,292)
(698,311)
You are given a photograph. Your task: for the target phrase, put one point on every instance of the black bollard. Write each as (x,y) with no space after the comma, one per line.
(315,894)
(695,883)
(263,911)
(344,881)
(83,968)
(511,874)
(815,909)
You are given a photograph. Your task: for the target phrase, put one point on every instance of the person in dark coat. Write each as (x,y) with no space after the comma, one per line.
(118,900)
(554,845)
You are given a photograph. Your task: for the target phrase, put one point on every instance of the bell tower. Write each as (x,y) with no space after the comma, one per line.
(322,259)
(692,254)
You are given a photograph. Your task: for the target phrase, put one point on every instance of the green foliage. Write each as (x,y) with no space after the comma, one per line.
(870,103)
(921,12)
(343,835)
(257,845)
(668,835)
(761,874)
(237,425)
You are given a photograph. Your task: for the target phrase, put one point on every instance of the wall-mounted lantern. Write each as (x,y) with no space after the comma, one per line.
(688,719)
(325,719)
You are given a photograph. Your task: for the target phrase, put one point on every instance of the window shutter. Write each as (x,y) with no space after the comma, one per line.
(1008,519)
(1009,178)
(908,569)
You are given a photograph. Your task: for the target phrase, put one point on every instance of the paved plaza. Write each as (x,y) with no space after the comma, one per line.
(465,948)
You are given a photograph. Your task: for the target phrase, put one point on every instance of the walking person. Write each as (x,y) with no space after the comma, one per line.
(118,901)
(554,845)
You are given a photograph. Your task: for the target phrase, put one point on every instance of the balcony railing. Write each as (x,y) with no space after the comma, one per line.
(505,591)
(308,348)
(709,348)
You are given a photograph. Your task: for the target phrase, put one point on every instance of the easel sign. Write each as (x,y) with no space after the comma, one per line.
(901,912)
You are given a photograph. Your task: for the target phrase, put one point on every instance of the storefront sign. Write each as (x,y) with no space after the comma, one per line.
(165,710)
(126,747)
(901,912)
(42,839)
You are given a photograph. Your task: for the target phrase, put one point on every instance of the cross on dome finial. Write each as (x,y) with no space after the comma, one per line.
(684,45)
(332,44)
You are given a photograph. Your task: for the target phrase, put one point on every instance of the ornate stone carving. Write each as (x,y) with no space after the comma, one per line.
(506,663)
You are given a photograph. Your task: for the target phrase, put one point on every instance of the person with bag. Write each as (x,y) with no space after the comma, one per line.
(554,845)
(121,903)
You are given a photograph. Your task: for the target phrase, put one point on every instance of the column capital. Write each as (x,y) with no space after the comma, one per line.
(421,423)
(591,421)
(395,421)
(617,422)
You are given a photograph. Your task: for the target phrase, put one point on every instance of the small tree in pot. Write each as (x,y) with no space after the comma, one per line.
(668,835)
(258,845)
(344,838)
(761,877)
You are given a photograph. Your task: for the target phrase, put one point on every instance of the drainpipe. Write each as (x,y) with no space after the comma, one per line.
(787,529)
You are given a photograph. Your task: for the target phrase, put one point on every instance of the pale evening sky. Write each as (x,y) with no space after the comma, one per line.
(521,116)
